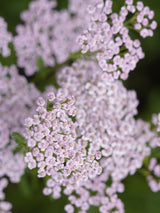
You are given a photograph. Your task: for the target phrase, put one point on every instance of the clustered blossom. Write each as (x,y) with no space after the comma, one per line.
(105,117)
(4,134)
(155,142)
(105,197)
(11,166)
(158,123)
(16,98)
(5,207)
(16,102)
(79,7)
(32,41)
(154,177)
(5,38)
(55,149)
(48,34)
(108,38)
(145,24)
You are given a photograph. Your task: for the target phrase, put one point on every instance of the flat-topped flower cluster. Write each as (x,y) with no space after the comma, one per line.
(55,148)
(16,102)
(108,36)
(48,34)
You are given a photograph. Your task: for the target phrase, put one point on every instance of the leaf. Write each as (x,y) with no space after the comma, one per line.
(11,59)
(49,106)
(21,142)
(19,139)
(40,64)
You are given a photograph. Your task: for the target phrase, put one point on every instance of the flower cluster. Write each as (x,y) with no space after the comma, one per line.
(79,7)
(153,169)
(144,24)
(4,134)
(16,102)
(155,142)
(48,34)
(154,177)
(108,37)
(55,148)
(15,98)
(105,117)
(11,166)
(105,113)
(105,199)
(5,207)
(5,38)
(158,123)
(32,41)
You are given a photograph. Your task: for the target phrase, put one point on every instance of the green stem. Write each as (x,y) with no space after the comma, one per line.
(130,22)
(46,76)
(144,172)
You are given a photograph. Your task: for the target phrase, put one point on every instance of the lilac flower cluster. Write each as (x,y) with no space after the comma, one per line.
(5,207)
(47,34)
(79,7)
(5,38)
(108,37)
(32,40)
(105,117)
(16,102)
(15,96)
(155,142)
(144,23)
(55,149)
(105,197)
(154,177)
(4,134)
(11,166)
(158,123)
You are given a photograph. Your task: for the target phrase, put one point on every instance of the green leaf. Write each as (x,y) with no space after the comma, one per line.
(11,59)
(19,139)
(49,106)
(40,64)
(21,143)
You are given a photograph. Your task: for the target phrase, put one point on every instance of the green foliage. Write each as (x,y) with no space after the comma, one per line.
(21,142)
(10,60)
(40,64)
(62,4)
(49,106)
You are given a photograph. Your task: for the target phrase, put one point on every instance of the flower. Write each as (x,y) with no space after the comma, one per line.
(105,120)
(5,38)
(48,34)
(5,207)
(16,102)
(55,148)
(107,37)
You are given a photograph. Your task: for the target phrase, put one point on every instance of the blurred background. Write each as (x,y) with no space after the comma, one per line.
(26,196)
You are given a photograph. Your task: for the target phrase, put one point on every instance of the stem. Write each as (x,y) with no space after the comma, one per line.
(130,22)
(46,76)
(144,172)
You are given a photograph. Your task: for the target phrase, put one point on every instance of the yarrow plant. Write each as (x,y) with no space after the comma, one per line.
(108,36)
(55,147)
(80,134)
